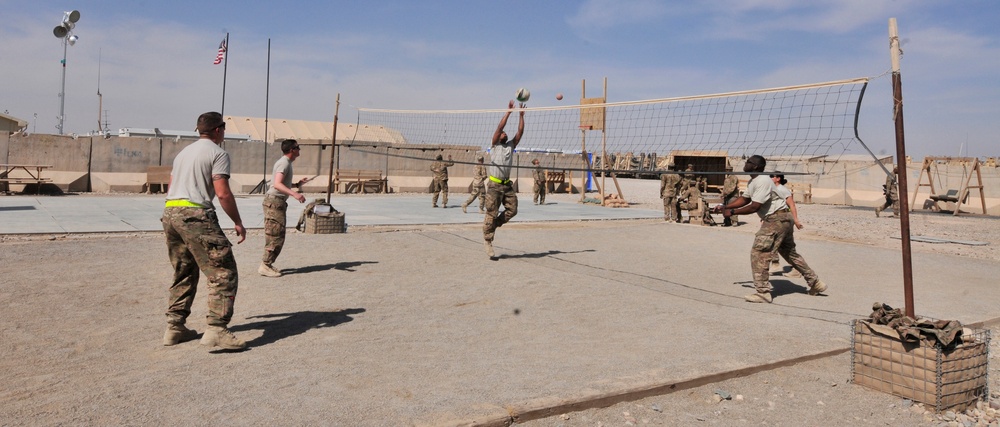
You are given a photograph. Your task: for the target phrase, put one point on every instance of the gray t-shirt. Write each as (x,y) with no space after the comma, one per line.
(191,175)
(783,192)
(761,190)
(283,165)
(501,158)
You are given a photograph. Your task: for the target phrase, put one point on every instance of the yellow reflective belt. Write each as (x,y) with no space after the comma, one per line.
(182,203)
(499,181)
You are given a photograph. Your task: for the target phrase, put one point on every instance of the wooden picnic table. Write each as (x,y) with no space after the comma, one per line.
(14,174)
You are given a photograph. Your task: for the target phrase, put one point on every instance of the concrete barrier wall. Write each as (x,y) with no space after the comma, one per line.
(124,155)
(119,164)
(63,153)
(4,146)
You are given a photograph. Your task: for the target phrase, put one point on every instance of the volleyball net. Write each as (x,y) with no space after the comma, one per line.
(794,121)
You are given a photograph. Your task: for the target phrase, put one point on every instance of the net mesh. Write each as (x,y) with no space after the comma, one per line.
(805,120)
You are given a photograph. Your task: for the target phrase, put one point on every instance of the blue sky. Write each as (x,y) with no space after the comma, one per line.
(155,58)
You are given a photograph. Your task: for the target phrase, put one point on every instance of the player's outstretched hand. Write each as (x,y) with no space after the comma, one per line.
(241,232)
(510,105)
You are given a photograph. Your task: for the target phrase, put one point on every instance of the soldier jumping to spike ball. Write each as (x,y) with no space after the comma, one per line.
(500,189)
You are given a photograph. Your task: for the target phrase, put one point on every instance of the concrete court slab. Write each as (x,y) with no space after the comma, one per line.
(418,327)
(94,213)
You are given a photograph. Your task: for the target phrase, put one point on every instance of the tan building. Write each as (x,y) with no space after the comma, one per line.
(11,124)
(281,129)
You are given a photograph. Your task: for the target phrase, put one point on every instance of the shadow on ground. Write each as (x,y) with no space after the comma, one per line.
(342,266)
(284,325)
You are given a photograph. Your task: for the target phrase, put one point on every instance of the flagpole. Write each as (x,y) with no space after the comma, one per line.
(225,69)
(267,100)
(262,185)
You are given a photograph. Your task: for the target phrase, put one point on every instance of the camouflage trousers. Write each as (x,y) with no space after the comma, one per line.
(732,220)
(670,210)
(539,193)
(195,242)
(776,234)
(275,209)
(495,195)
(891,202)
(480,192)
(440,186)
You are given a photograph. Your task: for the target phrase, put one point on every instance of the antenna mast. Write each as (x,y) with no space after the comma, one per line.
(100,98)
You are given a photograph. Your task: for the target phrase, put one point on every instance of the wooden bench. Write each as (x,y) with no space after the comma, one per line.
(158,175)
(31,178)
(360,181)
(803,188)
(5,183)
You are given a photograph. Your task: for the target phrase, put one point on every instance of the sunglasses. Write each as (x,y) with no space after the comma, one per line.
(295,147)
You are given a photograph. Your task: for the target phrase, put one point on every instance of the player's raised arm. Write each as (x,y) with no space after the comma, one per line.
(520,127)
(497,134)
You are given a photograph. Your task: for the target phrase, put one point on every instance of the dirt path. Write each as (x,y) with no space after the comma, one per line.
(413,326)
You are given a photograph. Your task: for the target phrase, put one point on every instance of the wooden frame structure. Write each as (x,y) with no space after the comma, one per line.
(958,196)
(593,118)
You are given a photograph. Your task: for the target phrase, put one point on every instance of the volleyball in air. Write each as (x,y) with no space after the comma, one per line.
(522,95)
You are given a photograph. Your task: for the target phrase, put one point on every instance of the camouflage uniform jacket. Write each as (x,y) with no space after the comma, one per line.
(668,185)
(538,174)
(479,177)
(890,189)
(440,169)
(730,187)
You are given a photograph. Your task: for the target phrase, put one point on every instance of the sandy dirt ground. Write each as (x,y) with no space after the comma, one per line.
(80,344)
(816,392)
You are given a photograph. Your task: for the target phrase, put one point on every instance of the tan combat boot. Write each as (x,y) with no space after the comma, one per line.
(218,336)
(775,268)
(489,249)
(177,334)
(817,288)
(268,270)
(758,298)
(463,207)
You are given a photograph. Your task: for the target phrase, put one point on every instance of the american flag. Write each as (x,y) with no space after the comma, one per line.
(222,53)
